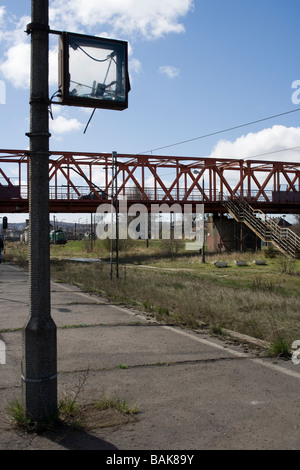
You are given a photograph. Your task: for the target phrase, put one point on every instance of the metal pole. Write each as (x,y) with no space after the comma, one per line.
(54,229)
(117,212)
(114,204)
(112,221)
(92,232)
(39,350)
(203,249)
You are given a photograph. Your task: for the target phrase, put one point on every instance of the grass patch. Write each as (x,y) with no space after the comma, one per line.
(18,416)
(105,412)
(217,330)
(21,421)
(266,285)
(70,413)
(115,403)
(280,348)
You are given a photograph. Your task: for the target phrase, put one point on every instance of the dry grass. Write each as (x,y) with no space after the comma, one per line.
(256,305)
(260,301)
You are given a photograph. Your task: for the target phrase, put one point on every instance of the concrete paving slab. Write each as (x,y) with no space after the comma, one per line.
(68,315)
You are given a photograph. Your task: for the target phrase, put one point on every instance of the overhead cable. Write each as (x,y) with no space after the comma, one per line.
(221,131)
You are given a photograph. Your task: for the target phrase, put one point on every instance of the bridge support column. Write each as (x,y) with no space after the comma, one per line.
(227,234)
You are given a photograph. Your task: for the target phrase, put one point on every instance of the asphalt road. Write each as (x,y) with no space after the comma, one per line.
(194,392)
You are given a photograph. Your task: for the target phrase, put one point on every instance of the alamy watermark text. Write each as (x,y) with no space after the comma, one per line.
(2,92)
(296,93)
(161,221)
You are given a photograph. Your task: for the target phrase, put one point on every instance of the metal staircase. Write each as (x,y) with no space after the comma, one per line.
(284,239)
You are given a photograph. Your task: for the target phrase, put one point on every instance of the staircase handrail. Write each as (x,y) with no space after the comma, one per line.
(264,224)
(281,232)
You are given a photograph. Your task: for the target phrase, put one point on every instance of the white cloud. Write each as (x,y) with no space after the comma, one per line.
(62,125)
(14,29)
(16,66)
(134,65)
(271,144)
(256,145)
(2,22)
(150,18)
(169,71)
(2,12)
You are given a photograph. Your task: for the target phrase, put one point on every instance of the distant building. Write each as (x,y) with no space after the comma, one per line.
(24,236)
(282,222)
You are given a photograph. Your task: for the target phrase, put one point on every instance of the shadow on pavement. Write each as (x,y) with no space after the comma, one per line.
(72,439)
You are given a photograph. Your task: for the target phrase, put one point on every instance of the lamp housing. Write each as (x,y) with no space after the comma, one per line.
(93,72)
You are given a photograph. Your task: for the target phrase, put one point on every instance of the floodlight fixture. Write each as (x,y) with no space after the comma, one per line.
(93,72)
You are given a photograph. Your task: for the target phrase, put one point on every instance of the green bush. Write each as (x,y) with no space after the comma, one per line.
(270,252)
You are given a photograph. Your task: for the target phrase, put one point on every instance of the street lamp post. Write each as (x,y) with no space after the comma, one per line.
(39,351)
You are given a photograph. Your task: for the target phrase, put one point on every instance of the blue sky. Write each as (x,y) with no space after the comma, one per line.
(196,67)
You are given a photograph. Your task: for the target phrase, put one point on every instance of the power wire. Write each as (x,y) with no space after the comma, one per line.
(274,151)
(221,131)
(258,155)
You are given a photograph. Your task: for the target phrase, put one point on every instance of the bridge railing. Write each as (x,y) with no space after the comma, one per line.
(73,193)
(147,194)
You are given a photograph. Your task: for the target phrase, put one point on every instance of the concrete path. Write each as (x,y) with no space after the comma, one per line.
(193,392)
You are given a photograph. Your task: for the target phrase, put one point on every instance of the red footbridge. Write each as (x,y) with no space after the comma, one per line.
(79,182)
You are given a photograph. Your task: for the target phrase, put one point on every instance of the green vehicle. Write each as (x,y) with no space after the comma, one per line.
(57,237)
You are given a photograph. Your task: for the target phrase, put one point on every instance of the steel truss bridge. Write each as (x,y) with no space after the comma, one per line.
(79,182)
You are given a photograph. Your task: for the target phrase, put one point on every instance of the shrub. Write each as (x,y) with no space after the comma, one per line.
(280,348)
(287,266)
(123,244)
(270,252)
(171,247)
